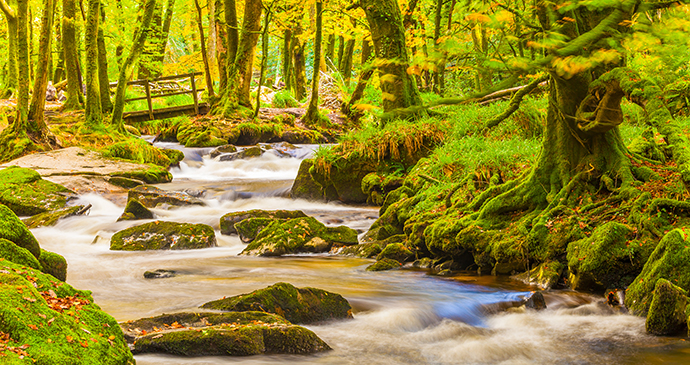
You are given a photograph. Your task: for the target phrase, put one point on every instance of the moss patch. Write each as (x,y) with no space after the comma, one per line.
(14,230)
(667,310)
(51,218)
(53,264)
(21,256)
(151,197)
(134,210)
(228,221)
(384,264)
(26,193)
(161,235)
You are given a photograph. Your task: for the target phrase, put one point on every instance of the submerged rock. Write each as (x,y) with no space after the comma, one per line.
(396,251)
(26,193)
(545,275)
(38,317)
(228,221)
(151,196)
(299,235)
(667,311)
(297,305)
(51,218)
(161,235)
(248,229)
(134,210)
(159,274)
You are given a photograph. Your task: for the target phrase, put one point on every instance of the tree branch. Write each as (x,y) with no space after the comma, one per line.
(515,101)
(7,10)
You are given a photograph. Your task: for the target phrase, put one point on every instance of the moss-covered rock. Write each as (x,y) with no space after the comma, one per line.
(304,186)
(51,218)
(303,136)
(19,255)
(248,229)
(671,261)
(396,251)
(175,156)
(228,221)
(200,134)
(134,210)
(137,150)
(366,250)
(384,264)
(227,148)
(151,175)
(54,323)
(53,264)
(159,235)
(546,275)
(252,133)
(667,310)
(377,186)
(606,259)
(249,152)
(14,230)
(283,237)
(125,182)
(297,305)
(247,340)
(151,197)
(26,193)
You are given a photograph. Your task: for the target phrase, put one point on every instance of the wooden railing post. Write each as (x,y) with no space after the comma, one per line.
(194,95)
(148,98)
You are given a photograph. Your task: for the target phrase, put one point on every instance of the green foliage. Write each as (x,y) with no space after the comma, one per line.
(284,99)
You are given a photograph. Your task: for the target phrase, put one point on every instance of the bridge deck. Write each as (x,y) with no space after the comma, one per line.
(162,113)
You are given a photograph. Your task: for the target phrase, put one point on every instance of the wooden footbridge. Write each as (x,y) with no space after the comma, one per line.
(163,87)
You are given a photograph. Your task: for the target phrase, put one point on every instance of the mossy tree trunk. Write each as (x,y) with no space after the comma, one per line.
(439,83)
(21,121)
(367,71)
(264,58)
(385,23)
(128,64)
(299,68)
(38,99)
(312,116)
(330,49)
(147,62)
(345,66)
(286,63)
(8,8)
(59,73)
(93,112)
(69,43)
(103,81)
(233,34)
(165,33)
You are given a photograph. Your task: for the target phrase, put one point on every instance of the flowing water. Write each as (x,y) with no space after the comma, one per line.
(401,317)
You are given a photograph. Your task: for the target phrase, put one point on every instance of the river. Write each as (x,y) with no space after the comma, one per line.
(401,317)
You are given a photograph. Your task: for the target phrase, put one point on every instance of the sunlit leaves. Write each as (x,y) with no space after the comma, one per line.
(572,65)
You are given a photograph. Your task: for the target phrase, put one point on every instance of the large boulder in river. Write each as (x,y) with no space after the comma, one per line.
(159,235)
(12,229)
(134,210)
(228,221)
(667,311)
(305,187)
(297,305)
(671,261)
(38,323)
(26,193)
(151,196)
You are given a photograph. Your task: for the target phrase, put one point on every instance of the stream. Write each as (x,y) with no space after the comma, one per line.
(400,317)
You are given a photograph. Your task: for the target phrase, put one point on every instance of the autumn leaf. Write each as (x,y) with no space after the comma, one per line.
(70,339)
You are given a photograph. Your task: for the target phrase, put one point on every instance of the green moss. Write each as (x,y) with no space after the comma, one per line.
(21,256)
(366,250)
(200,134)
(671,261)
(297,305)
(252,133)
(136,328)
(384,264)
(296,235)
(134,210)
(126,183)
(151,196)
(80,333)
(304,186)
(284,99)
(228,221)
(53,264)
(26,193)
(667,310)
(303,136)
(175,156)
(14,230)
(51,218)
(546,275)
(248,229)
(151,175)
(137,150)
(396,251)
(159,235)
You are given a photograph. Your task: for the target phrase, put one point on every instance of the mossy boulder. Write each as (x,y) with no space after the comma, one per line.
(546,275)
(125,182)
(51,218)
(14,230)
(150,175)
(19,255)
(53,264)
(53,323)
(667,310)
(377,186)
(253,133)
(384,264)
(175,156)
(228,221)
(249,152)
(290,236)
(159,235)
(671,261)
(200,134)
(396,251)
(303,136)
(305,187)
(26,193)
(227,148)
(134,210)
(297,305)
(248,229)
(138,150)
(254,339)
(151,197)
(366,250)
(606,259)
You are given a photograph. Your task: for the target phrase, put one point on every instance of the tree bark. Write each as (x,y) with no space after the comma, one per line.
(346,61)
(38,99)
(264,59)
(299,67)
(288,77)
(349,108)
(93,112)
(148,68)
(233,37)
(128,64)
(221,45)
(330,49)
(59,73)
(103,81)
(11,77)
(21,122)
(69,42)
(312,116)
(204,54)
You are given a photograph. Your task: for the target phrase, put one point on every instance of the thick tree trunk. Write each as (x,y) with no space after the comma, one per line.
(165,33)
(299,76)
(147,62)
(288,78)
(38,99)
(330,50)
(128,64)
(21,122)
(93,112)
(221,45)
(59,74)
(11,75)
(264,59)
(385,22)
(103,81)
(233,35)
(349,108)
(312,116)
(212,32)
(204,54)
(69,42)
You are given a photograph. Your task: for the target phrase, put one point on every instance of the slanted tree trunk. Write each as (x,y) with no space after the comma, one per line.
(103,81)
(165,33)
(385,23)
(38,99)
(349,108)
(9,9)
(93,112)
(204,55)
(312,116)
(69,43)
(128,64)
(147,62)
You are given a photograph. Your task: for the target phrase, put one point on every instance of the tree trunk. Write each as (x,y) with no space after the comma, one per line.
(349,108)
(312,116)
(212,32)
(38,99)
(147,62)
(103,81)
(346,62)
(288,78)
(330,50)
(59,74)
(264,59)
(128,64)
(204,54)
(233,37)
(438,73)
(221,45)
(299,67)
(11,76)
(165,33)
(69,43)
(93,113)
(385,22)
(21,122)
